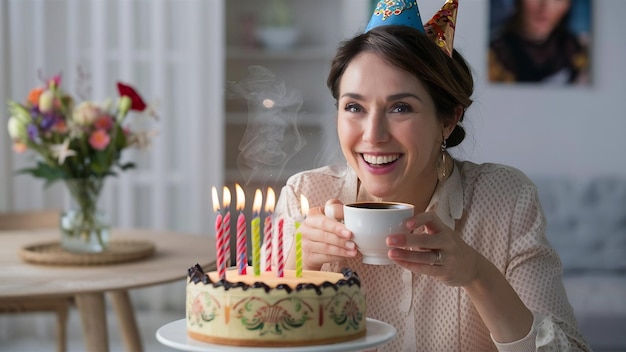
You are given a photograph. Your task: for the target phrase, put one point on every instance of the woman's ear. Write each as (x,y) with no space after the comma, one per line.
(450,124)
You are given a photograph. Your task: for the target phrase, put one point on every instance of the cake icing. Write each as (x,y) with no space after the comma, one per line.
(248,310)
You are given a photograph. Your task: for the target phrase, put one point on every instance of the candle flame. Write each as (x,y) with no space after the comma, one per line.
(269,202)
(304,205)
(241,197)
(258,200)
(226,197)
(216,202)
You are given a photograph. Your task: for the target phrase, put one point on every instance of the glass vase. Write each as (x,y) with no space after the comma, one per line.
(84,228)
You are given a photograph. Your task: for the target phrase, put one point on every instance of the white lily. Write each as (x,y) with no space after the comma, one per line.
(62,151)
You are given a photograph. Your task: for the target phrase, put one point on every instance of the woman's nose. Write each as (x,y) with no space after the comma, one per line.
(376,129)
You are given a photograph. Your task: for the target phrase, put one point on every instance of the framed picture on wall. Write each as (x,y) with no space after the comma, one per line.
(543,42)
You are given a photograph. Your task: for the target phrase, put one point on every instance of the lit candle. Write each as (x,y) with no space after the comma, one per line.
(304,207)
(267,230)
(242,250)
(226,225)
(256,232)
(279,249)
(219,236)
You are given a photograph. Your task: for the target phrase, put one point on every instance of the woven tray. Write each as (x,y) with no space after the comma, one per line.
(118,251)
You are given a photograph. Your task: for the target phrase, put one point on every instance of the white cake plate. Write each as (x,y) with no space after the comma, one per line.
(174,335)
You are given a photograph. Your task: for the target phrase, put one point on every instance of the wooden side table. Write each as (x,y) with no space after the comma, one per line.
(174,253)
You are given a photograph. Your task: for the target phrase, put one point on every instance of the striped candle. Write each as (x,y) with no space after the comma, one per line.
(304,208)
(298,251)
(219,236)
(219,247)
(242,244)
(267,242)
(256,232)
(226,225)
(242,250)
(267,230)
(279,249)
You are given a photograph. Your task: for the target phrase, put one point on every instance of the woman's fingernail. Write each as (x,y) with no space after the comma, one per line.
(346,233)
(392,240)
(350,245)
(410,224)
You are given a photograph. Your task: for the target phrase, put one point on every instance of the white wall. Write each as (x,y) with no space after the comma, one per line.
(546,131)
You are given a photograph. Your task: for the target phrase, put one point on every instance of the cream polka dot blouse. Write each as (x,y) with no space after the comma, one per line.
(496,210)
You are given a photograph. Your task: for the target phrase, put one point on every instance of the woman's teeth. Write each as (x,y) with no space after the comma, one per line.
(380,159)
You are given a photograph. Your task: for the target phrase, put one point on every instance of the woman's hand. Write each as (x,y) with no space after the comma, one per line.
(324,238)
(434,249)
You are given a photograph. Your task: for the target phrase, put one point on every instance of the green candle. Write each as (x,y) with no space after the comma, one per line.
(256,233)
(298,251)
(304,208)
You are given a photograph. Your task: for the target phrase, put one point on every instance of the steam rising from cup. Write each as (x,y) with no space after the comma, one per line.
(272,135)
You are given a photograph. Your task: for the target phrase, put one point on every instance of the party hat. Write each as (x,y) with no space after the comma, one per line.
(440,28)
(396,12)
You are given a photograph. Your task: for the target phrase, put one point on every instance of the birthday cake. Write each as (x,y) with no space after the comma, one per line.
(266,310)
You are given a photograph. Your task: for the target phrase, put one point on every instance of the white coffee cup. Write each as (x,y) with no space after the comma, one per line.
(372,222)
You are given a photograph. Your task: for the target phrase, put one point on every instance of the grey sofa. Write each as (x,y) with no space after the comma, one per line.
(587,226)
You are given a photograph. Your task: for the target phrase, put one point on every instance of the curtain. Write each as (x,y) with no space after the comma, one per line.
(172,52)
(166,49)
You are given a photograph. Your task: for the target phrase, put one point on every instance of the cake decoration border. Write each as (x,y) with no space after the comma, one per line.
(197,275)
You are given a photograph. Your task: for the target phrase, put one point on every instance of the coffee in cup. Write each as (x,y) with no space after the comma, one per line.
(372,222)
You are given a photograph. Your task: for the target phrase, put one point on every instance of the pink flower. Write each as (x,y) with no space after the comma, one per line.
(99,139)
(104,122)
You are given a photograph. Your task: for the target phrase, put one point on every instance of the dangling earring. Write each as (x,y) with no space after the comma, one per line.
(443,170)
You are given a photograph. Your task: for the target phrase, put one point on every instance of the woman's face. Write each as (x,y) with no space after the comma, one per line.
(388,128)
(540,17)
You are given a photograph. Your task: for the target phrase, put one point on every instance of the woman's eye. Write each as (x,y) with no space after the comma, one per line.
(402,107)
(352,107)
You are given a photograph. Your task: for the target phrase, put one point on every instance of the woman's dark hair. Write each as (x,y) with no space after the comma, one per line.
(448,80)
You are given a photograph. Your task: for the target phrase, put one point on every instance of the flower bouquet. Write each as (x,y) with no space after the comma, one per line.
(80,145)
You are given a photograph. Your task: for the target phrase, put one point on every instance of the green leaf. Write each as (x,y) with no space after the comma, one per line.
(42,170)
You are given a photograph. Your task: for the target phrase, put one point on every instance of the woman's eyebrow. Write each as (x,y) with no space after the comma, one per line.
(401,96)
(393,97)
(352,95)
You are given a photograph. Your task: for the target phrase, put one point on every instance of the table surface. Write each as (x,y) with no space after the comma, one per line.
(174,254)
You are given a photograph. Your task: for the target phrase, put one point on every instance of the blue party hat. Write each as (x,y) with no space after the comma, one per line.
(396,12)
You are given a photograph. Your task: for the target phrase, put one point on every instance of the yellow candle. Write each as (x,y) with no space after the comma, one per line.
(298,251)
(256,233)
(256,245)
(304,207)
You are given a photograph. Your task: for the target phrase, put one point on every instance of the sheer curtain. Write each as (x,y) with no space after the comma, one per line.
(172,52)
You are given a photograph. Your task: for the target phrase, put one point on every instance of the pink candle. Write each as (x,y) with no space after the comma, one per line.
(267,241)
(219,237)
(267,231)
(279,249)
(242,250)
(226,224)
(242,245)
(219,247)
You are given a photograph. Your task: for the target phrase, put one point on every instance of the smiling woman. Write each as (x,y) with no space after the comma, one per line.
(474,257)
